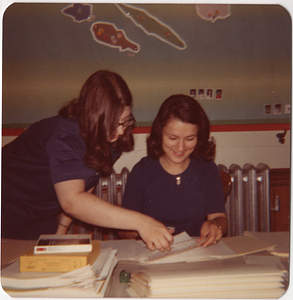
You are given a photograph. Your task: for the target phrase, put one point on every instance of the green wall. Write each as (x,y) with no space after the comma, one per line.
(47,57)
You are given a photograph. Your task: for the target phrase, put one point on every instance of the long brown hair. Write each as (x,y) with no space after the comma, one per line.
(101,102)
(188,110)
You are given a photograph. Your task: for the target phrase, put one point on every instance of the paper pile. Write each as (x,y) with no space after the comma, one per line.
(280,239)
(231,269)
(209,279)
(88,281)
(228,248)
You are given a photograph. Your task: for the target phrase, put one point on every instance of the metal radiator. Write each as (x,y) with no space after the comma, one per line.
(247,204)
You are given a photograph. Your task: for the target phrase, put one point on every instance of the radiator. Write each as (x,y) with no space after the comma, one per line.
(110,189)
(247,204)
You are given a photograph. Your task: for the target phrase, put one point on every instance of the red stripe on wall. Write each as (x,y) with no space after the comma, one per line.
(142,130)
(12,131)
(214,128)
(235,127)
(250,127)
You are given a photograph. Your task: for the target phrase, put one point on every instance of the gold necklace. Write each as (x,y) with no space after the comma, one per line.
(178,179)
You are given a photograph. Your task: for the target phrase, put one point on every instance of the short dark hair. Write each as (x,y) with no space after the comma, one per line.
(188,110)
(102,99)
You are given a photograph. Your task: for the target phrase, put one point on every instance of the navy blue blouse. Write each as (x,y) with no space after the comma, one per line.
(48,152)
(153,191)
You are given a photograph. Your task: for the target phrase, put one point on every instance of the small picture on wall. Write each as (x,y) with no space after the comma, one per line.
(267,109)
(200,94)
(287,109)
(219,94)
(192,93)
(210,94)
(277,108)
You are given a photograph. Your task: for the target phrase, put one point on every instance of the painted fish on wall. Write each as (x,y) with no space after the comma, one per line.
(212,12)
(78,12)
(108,35)
(152,26)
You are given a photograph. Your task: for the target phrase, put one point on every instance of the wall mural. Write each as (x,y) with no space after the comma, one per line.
(109,35)
(234,59)
(152,26)
(79,12)
(213,12)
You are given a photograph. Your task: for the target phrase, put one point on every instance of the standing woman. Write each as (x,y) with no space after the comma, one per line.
(53,166)
(178,183)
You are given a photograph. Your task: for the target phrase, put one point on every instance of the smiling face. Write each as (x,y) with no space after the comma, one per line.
(178,142)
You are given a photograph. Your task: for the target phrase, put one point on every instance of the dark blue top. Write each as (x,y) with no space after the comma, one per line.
(48,152)
(153,191)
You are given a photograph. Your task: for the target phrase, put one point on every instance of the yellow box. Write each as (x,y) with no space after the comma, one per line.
(66,262)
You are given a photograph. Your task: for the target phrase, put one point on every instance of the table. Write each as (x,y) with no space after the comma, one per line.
(12,249)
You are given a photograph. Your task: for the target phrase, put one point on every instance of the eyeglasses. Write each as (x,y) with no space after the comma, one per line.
(128,122)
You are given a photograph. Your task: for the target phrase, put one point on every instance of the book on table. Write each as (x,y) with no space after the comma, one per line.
(58,262)
(63,243)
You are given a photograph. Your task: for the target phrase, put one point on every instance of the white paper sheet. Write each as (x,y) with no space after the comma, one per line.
(13,279)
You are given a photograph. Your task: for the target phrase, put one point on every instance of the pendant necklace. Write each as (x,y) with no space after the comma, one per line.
(178,179)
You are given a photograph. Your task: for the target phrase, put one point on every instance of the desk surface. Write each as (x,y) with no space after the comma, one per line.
(12,249)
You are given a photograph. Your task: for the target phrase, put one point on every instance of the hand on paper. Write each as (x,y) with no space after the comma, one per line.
(213,229)
(155,234)
(212,232)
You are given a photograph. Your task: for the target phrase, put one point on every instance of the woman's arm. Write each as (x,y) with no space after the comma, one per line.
(128,234)
(133,196)
(96,211)
(213,229)
(64,222)
(216,223)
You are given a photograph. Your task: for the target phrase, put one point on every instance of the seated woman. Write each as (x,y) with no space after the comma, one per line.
(178,183)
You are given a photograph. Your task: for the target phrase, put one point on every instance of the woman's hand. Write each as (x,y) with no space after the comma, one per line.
(210,230)
(155,234)
(213,229)
(131,234)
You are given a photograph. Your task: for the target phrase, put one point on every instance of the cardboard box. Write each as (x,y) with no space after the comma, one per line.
(63,243)
(65,262)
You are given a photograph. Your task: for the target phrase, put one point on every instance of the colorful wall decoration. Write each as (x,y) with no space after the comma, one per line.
(152,26)
(235,59)
(213,12)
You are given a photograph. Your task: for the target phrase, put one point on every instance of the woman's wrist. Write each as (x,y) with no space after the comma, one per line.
(65,226)
(214,221)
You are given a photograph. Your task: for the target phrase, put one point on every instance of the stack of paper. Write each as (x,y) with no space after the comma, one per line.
(229,278)
(228,248)
(88,281)
(281,239)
